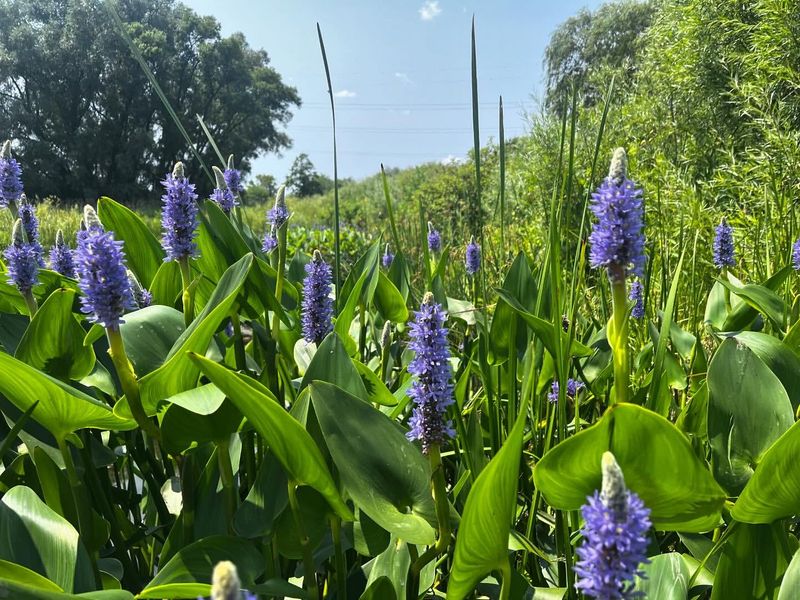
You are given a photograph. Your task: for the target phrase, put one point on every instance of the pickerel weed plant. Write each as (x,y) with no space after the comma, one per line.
(220,414)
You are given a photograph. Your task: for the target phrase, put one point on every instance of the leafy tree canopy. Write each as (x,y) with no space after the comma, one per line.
(304,180)
(85,117)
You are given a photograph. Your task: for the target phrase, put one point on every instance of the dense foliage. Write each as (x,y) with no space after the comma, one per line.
(87,121)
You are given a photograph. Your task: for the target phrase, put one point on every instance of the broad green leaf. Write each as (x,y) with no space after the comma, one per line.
(183,428)
(482,538)
(658,462)
(149,334)
(10,571)
(61,409)
(291,443)
(380,589)
(760,298)
(276,587)
(376,389)
(12,328)
(748,410)
(53,342)
(39,539)
(166,286)
(666,578)
(773,491)
(188,573)
(385,474)
(265,501)
(520,285)
(791,579)
(347,313)
(142,249)
(392,564)
(19,591)
(752,562)
(178,373)
(389,301)
(333,364)
(780,359)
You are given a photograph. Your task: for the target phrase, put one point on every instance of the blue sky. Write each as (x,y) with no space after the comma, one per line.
(400,70)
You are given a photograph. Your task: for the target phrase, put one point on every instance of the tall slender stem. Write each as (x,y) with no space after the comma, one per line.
(226,476)
(280,267)
(439,489)
(618,336)
(130,385)
(341,564)
(310,578)
(30,302)
(188,294)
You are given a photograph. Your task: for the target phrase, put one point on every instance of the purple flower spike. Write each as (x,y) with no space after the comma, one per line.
(179,216)
(22,260)
(573,388)
(270,241)
(102,276)
(279,213)
(10,177)
(62,259)
(388,257)
(796,255)
(723,246)
(432,390)
(637,295)
(222,195)
(473,257)
(31,226)
(317,303)
(615,542)
(434,239)
(617,239)
(233,177)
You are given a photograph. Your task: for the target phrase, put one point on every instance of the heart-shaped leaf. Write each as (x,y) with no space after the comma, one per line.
(658,462)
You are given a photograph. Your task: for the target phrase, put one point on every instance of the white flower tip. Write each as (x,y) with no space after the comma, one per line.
(428,298)
(6,151)
(619,166)
(18,233)
(386,334)
(177,170)
(280,197)
(59,238)
(225,584)
(613,490)
(90,218)
(230,162)
(219,177)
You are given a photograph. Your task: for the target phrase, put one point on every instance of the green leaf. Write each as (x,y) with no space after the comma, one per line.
(265,501)
(666,578)
(166,286)
(345,317)
(389,301)
(142,249)
(380,589)
(53,342)
(188,573)
(178,373)
(149,335)
(752,562)
(61,409)
(385,474)
(760,298)
(19,591)
(482,538)
(519,284)
(748,410)
(333,364)
(39,539)
(292,445)
(791,579)
(780,359)
(10,571)
(658,462)
(773,491)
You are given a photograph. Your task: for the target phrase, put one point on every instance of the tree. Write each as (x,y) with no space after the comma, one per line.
(304,180)
(262,190)
(593,42)
(85,117)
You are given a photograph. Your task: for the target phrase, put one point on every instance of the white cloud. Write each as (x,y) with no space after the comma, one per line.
(452,159)
(344,94)
(404,78)
(430,10)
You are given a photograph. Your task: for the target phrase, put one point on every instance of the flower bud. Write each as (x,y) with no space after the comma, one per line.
(225,584)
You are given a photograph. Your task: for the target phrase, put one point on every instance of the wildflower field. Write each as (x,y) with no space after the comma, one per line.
(209,401)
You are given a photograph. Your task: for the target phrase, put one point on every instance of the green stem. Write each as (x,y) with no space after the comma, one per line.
(310,578)
(280,267)
(726,292)
(341,564)
(188,293)
(240,356)
(187,496)
(505,587)
(130,385)
(226,476)
(439,490)
(30,302)
(619,336)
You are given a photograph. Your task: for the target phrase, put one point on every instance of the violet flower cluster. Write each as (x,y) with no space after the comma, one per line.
(277,216)
(179,216)
(432,389)
(796,255)
(617,238)
(233,178)
(317,305)
(434,238)
(222,195)
(62,259)
(724,255)
(10,177)
(573,389)
(22,260)
(637,295)
(30,223)
(473,257)
(102,275)
(388,257)
(615,542)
